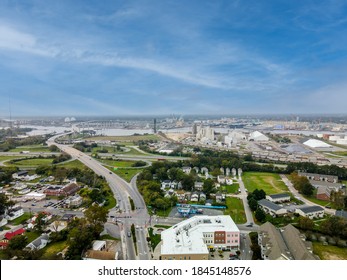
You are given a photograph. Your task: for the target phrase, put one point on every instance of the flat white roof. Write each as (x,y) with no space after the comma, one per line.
(35,194)
(187,236)
(314,143)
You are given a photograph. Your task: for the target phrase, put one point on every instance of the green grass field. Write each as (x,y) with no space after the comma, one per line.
(32,148)
(235,210)
(51,250)
(20,219)
(269,182)
(231,189)
(3,158)
(117,163)
(319,202)
(32,162)
(155,238)
(329,252)
(126,173)
(32,235)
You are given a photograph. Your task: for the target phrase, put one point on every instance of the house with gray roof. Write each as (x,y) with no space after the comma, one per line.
(271,208)
(341,213)
(278,198)
(310,211)
(39,242)
(286,243)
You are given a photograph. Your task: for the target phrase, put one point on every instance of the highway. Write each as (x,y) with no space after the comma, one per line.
(122,192)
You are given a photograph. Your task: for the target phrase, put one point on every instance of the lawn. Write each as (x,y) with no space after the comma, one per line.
(32,162)
(117,163)
(20,219)
(269,182)
(163,213)
(3,158)
(340,153)
(155,238)
(235,209)
(126,173)
(31,148)
(52,249)
(31,235)
(108,237)
(319,202)
(329,252)
(234,188)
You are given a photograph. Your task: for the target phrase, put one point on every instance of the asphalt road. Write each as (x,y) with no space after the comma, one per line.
(122,192)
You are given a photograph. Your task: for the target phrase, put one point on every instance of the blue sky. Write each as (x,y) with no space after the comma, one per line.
(162,57)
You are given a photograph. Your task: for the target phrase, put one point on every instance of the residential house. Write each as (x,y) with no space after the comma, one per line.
(202,196)
(9,235)
(227,171)
(194,197)
(204,170)
(20,175)
(100,251)
(165,184)
(341,213)
(74,201)
(233,172)
(57,225)
(186,169)
(319,177)
(221,179)
(310,211)
(3,221)
(323,193)
(271,208)
(39,242)
(220,197)
(286,243)
(198,186)
(14,213)
(228,181)
(278,198)
(197,170)
(222,170)
(181,196)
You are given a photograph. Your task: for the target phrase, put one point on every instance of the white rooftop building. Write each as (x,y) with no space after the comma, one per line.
(192,238)
(257,137)
(314,143)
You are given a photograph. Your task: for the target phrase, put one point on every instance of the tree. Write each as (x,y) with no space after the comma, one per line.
(188,182)
(96,216)
(307,188)
(253,204)
(4,203)
(40,222)
(338,198)
(334,226)
(260,215)
(305,223)
(17,242)
(208,186)
(259,194)
(80,238)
